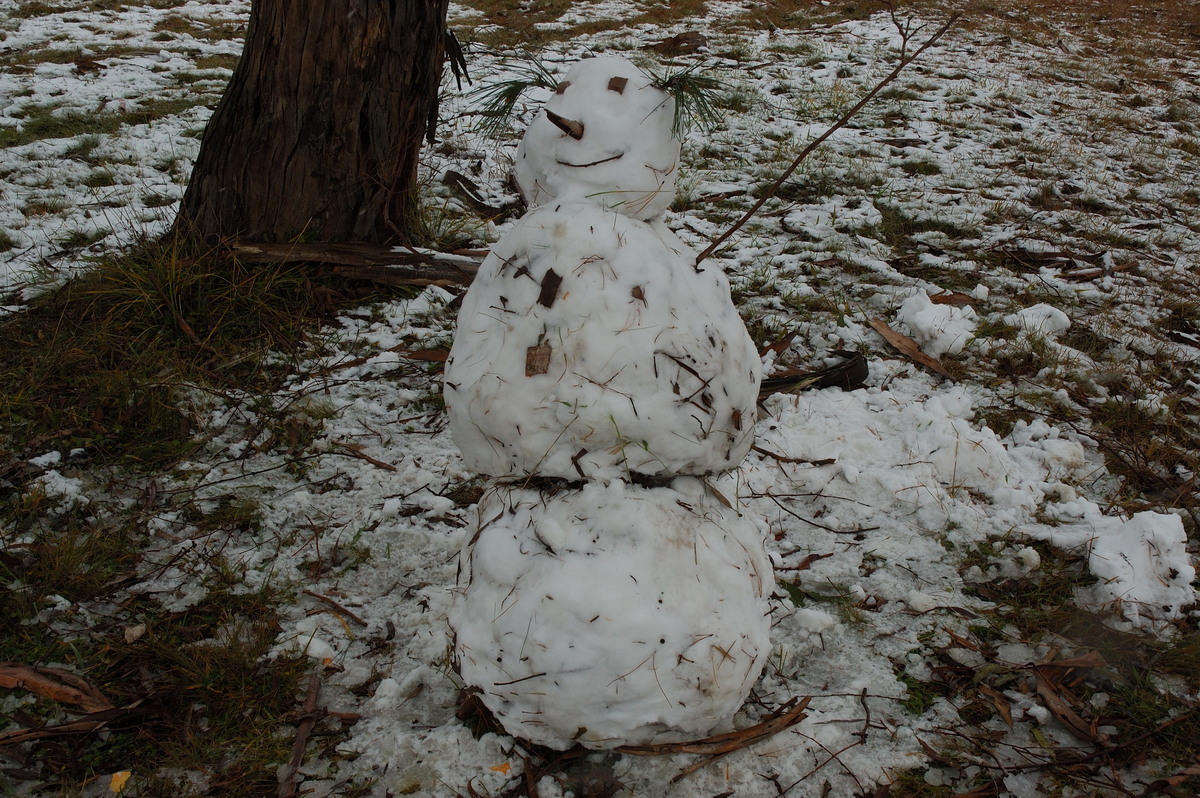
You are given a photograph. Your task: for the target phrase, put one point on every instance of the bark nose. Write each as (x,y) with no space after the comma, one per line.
(569,126)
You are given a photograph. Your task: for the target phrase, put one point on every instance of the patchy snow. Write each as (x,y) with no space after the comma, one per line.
(1141,563)
(1040,318)
(993,154)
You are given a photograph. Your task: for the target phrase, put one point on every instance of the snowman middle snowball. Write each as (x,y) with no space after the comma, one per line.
(590,349)
(589,346)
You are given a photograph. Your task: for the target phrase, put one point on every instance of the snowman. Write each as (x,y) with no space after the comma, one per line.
(609,595)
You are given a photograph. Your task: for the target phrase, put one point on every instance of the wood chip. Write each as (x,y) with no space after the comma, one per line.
(550,283)
(537,359)
(618,84)
(569,126)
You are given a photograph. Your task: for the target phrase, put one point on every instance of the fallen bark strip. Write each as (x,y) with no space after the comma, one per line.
(288,782)
(351,615)
(356,450)
(89,723)
(373,262)
(54,683)
(851,373)
(908,347)
(719,745)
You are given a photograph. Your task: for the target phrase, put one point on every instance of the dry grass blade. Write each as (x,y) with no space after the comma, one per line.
(908,347)
(55,684)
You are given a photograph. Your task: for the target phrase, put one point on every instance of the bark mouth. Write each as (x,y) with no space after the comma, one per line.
(593,163)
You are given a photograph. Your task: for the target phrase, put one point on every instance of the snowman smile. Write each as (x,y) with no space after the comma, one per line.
(593,163)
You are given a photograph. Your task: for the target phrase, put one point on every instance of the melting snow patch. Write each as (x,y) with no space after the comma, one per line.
(1040,318)
(1142,563)
(938,329)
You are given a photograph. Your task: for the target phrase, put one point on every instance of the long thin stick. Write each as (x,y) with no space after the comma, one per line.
(288,786)
(905,60)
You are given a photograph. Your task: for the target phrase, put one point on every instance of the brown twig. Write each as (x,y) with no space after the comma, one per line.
(53,683)
(288,787)
(719,745)
(336,606)
(92,722)
(782,459)
(1107,751)
(905,60)
(810,522)
(354,451)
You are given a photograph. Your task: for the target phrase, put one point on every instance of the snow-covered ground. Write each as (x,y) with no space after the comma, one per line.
(1050,185)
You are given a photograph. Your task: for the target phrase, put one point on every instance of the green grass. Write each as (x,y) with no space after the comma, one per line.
(41,122)
(96,368)
(85,365)
(173,24)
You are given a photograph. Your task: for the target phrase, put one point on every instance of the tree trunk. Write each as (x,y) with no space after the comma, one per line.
(318,134)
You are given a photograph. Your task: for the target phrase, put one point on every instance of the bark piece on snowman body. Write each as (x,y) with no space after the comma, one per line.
(589,347)
(613,614)
(606,135)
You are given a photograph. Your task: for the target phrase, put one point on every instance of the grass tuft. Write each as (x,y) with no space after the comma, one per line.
(98,364)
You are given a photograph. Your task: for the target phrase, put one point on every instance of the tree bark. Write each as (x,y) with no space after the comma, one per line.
(318,134)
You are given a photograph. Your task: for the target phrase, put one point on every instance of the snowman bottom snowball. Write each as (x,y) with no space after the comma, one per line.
(613,614)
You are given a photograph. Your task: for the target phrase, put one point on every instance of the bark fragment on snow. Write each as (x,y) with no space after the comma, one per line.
(537,359)
(550,283)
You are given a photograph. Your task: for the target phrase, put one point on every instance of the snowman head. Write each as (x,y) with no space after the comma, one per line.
(606,137)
